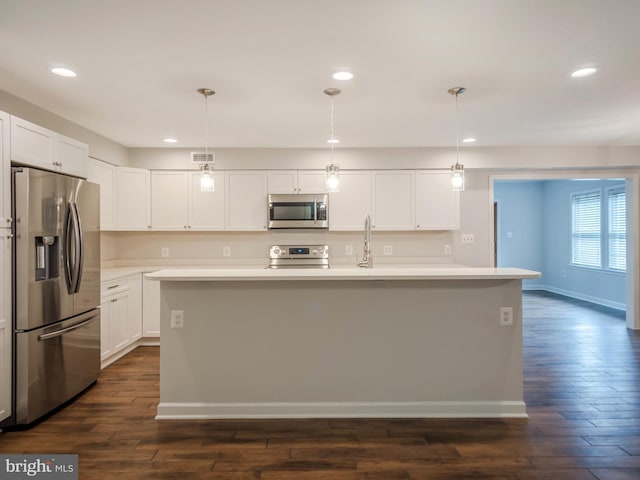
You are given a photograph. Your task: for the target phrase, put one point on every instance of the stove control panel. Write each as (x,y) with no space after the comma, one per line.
(299,251)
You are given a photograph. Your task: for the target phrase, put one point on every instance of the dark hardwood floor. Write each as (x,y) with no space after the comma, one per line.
(582,388)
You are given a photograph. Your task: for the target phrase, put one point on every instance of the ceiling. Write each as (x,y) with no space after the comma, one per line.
(140,62)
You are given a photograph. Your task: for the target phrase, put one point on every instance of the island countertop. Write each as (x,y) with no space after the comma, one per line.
(341,273)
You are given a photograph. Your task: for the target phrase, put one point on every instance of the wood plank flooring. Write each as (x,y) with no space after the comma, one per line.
(582,388)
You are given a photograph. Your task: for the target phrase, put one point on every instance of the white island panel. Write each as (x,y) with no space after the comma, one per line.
(363,347)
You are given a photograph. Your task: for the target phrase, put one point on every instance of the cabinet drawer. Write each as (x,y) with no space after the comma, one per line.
(114,286)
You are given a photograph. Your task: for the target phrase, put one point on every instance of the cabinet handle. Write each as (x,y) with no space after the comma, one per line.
(112,287)
(114,300)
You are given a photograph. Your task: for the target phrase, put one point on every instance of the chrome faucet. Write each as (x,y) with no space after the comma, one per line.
(367,258)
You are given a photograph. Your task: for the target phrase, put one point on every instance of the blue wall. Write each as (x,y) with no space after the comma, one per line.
(538,214)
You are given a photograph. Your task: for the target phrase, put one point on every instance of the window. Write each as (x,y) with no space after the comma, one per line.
(585,231)
(617,241)
(599,229)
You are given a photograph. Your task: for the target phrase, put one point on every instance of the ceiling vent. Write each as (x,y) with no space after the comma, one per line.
(201,157)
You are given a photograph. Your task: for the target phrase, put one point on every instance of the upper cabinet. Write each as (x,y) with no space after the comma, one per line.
(35,146)
(437,205)
(178,204)
(5,172)
(104,174)
(348,207)
(133,199)
(393,200)
(296,181)
(246,200)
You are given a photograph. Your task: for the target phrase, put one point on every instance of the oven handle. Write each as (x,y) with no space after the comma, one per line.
(57,333)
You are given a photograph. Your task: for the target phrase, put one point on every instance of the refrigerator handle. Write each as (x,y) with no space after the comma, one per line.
(74,249)
(62,331)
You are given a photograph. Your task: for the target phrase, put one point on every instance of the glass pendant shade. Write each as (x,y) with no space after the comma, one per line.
(332,178)
(457,177)
(206,179)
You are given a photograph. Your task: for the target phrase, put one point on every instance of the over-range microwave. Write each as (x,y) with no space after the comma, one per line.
(298,211)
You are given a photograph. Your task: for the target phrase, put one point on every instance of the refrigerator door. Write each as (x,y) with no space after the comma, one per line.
(57,262)
(55,363)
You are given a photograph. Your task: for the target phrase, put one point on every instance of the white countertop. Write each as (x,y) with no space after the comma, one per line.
(340,273)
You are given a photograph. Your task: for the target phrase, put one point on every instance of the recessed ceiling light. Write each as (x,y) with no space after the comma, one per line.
(170,140)
(344,75)
(63,72)
(468,140)
(584,72)
(333,140)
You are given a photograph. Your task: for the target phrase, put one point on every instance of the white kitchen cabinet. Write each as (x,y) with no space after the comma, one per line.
(120,316)
(437,205)
(104,174)
(169,198)
(393,200)
(246,200)
(36,146)
(348,207)
(206,209)
(5,171)
(71,156)
(133,199)
(134,311)
(150,308)
(5,324)
(178,204)
(296,181)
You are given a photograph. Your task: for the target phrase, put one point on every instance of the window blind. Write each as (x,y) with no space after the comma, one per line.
(617,254)
(585,239)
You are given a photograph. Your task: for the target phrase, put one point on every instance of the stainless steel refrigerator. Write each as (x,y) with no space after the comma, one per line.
(56,290)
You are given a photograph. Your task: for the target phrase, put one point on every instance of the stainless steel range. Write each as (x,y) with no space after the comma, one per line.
(299,256)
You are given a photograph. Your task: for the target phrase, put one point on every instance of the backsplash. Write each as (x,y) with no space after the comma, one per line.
(251,248)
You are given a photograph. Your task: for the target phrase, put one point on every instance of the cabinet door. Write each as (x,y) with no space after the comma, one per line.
(5,324)
(31,144)
(437,205)
(150,308)
(104,174)
(311,181)
(71,156)
(169,199)
(106,318)
(119,331)
(246,200)
(132,199)
(5,172)
(206,209)
(134,308)
(393,200)
(282,181)
(348,207)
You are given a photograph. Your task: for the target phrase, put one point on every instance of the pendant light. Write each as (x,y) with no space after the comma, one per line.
(332,171)
(457,170)
(206,168)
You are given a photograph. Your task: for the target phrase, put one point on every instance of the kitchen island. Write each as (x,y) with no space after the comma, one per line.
(341,342)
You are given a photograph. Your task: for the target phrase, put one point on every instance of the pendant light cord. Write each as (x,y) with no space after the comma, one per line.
(332,139)
(206,125)
(457,132)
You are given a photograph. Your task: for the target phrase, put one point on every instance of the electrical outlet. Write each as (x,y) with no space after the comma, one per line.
(226,251)
(164,252)
(177,318)
(466,238)
(506,316)
(447,249)
(348,250)
(388,250)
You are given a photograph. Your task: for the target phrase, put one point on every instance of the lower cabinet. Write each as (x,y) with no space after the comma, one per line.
(121,316)
(6,332)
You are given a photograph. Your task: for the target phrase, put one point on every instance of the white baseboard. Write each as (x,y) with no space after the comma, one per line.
(471,409)
(578,296)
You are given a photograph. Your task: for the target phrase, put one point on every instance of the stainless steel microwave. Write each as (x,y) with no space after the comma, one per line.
(298,211)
